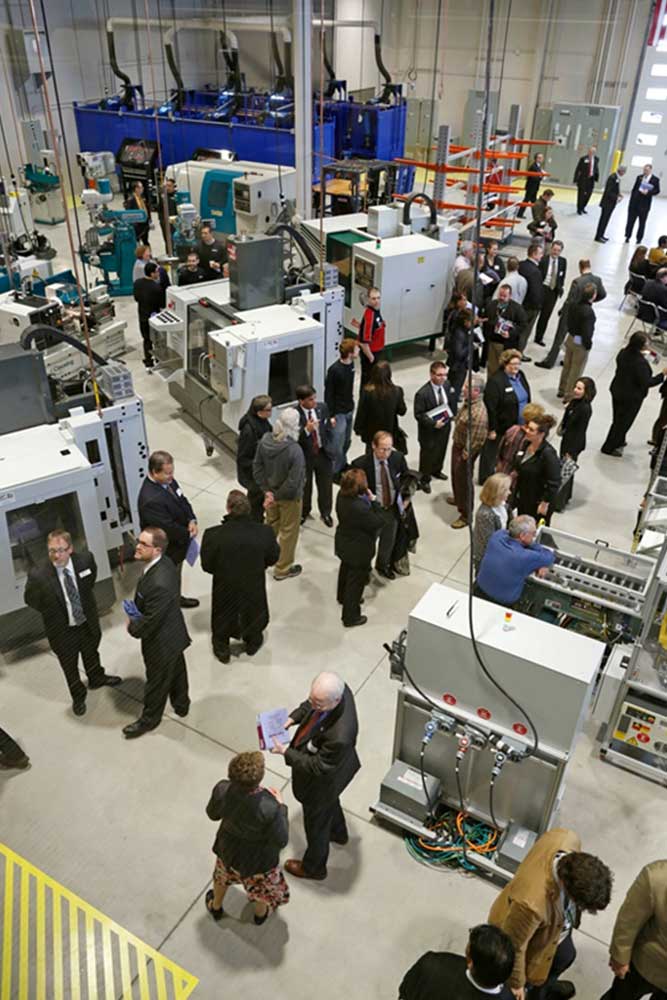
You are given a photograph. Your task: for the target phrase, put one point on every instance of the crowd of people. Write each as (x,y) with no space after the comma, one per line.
(496,430)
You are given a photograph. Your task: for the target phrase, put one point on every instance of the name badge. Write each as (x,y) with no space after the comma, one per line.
(84,572)
(179,492)
(509,389)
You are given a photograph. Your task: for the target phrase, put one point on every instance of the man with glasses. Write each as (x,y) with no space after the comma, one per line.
(158,621)
(324,761)
(63,591)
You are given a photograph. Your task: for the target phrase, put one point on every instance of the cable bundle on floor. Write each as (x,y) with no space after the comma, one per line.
(459,839)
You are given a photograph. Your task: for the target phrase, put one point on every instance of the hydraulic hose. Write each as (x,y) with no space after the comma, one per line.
(419,196)
(117,71)
(35,330)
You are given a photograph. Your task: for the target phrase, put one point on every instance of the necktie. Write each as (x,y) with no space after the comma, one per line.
(313,434)
(384,483)
(552,279)
(590,166)
(74,598)
(306,728)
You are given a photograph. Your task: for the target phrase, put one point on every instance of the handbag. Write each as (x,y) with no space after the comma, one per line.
(400,439)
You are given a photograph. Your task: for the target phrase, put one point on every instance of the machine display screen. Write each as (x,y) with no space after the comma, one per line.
(364,273)
(242,197)
(287,370)
(29,526)
(136,152)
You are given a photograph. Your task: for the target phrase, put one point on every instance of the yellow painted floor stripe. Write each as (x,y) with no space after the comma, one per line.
(82,947)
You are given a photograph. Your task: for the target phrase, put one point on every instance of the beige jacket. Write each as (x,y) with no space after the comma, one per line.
(640,932)
(528,909)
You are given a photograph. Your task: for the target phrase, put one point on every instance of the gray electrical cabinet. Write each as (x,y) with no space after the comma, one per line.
(421,124)
(472,115)
(575,128)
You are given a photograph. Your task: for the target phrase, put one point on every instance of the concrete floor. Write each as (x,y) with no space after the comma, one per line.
(123,824)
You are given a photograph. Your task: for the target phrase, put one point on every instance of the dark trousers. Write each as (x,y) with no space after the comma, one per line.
(635,213)
(8,747)
(387,538)
(606,210)
(633,987)
(432,453)
(584,192)
(550,299)
(146,337)
(527,328)
(559,338)
(624,413)
(488,458)
(320,467)
(321,820)
(461,482)
(350,590)
(165,680)
(256,499)
(81,640)
(457,377)
(563,959)
(366,366)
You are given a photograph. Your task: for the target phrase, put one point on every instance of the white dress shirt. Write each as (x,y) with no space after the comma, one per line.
(151,564)
(517,283)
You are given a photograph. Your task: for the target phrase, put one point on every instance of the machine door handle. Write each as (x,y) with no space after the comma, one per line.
(200,365)
(601,541)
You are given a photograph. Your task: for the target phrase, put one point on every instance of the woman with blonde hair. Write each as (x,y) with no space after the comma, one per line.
(492,513)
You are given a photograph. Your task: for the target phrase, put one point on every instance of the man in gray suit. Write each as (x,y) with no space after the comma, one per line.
(574,297)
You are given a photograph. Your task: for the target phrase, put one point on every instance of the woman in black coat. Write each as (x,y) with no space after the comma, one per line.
(253,829)
(629,389)
(573,428)
(360,521)
(253,425)
(459,346)
(381,403)
(237,553)
(505,396)
(537,468)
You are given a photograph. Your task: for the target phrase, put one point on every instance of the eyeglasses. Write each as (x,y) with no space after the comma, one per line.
(146,545)
(58,552)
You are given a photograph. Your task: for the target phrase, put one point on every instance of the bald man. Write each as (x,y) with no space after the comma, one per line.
(324,760)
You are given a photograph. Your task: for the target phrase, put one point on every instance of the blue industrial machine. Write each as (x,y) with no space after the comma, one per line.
(110,243)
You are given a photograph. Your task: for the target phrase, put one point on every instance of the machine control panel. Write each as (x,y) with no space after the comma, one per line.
(641,732)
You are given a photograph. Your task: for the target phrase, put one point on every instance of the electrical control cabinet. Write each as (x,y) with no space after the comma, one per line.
(574,128)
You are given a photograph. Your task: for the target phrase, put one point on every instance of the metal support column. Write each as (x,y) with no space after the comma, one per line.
(441,160)
(302,15)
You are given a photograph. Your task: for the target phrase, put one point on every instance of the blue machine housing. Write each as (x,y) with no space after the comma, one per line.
(374,130)
(180,134)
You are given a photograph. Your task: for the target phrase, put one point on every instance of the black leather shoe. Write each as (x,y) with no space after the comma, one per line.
(10,763)
(426,487)
(386,572)
(340,840)
(182,712)
(79,707)
(224,655)
(189,602)
(526,360)
(542,364)
(135,729)
(251,650)
(441,476)
(109,680)
(562,990)
(328,520)
(361,620)
(540,343)
(600,239)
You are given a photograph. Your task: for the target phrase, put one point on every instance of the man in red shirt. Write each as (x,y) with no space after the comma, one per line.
(371,334)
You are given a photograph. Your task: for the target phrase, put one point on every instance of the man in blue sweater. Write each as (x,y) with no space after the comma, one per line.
(510,557)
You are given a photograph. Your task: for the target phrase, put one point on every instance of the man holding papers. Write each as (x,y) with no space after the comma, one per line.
(162,504)
(641,198)
(156,618)
(434,408)
(324,760)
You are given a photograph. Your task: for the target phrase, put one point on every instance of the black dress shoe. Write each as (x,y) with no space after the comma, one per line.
(584,211)
(79,707)
(251,650)
(361,620)
(562,990)
(542,364)
(441,476)
(109,680)
(328,520)
(135,729)
(9,763)
(426,487)
(386,572)
(541,343)
(189,602)
(600,239)
(224,655)
(526,360)
(182,712)
(340,840)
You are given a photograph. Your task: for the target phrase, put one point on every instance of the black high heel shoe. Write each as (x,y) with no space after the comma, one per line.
(216,914)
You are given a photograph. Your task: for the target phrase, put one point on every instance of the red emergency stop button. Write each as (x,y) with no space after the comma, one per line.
(519,728)
(483,713)
(449,699)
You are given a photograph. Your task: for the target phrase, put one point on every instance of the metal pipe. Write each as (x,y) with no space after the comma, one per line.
(303,106)
(280,24)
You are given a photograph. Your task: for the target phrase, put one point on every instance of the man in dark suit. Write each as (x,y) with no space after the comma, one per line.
(433,431)
(139,202)
(608,202)
(574,296)
(149,294)
(162,504)
(161,628)
(63,591)
(503,321)
(317,448)
(529,268)
(586,176)
(237,553)
(644,189)
(384,468)
(532,183)
(481,975)
(553,267)
(324,760)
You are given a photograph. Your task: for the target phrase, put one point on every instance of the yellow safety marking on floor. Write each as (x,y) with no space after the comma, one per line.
(86,955)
